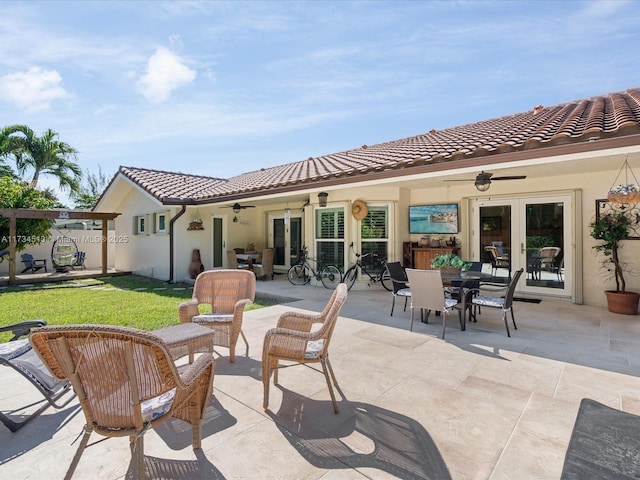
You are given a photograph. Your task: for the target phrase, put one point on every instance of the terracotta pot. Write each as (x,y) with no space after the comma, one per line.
(625,303)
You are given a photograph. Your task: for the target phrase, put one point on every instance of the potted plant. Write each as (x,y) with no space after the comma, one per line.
(449,262)
(610,229)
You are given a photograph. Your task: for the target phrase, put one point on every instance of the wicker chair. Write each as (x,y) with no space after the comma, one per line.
(427,293)
(232,261)
(264,268)
(226,292)
(126,382)
(293,340)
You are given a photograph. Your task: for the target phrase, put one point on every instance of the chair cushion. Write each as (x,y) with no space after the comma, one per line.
(11,350)
(404,292)
(450,302)
(212,318)
(314,349)
(488,301)
(30,363)
(158,406)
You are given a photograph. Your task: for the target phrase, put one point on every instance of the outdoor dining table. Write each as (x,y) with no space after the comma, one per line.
(249,258)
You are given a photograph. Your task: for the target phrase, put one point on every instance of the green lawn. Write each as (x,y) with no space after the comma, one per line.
(129,301)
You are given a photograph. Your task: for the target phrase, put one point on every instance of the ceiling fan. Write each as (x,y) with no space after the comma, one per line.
(483,180)
(237,207)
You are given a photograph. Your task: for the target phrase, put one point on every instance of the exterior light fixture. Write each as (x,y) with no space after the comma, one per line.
(236,208)
(483,184)
(322,199)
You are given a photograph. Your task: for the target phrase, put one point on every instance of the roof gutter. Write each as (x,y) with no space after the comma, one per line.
(171,240)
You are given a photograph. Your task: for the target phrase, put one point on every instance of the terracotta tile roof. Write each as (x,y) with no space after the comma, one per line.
(606,116)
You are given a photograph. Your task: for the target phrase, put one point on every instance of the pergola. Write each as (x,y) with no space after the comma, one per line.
(59,214)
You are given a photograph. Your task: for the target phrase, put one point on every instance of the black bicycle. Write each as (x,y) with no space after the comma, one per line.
(307,268)
(376,270)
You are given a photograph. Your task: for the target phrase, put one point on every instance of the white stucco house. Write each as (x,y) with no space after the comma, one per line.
(569,154)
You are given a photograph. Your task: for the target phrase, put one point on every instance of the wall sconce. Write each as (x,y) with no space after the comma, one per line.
(322,199)
(483,186)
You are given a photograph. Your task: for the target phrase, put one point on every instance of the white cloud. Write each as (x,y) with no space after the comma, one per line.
(165,72)
(33,90)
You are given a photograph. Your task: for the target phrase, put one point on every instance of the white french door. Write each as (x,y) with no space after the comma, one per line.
(520,228)
(285,236)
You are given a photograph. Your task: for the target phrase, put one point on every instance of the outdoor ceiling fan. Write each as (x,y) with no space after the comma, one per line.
(237,207)
(483,180)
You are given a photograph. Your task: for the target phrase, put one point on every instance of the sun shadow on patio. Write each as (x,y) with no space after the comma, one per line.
(361,436)
(177,434)
(161,468)
(243,366)
(43,428)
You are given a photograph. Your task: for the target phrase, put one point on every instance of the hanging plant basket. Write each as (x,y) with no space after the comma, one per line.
(627,193)
(195,224)
(624,194)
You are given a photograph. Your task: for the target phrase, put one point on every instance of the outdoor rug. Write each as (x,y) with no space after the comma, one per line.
(604,445)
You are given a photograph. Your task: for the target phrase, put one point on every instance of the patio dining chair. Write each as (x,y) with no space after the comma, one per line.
(126,382)
(427,294)
(218,301)
(503,301)
(264,268)
(18,355)
(294,340)
(399,281)
(232,261)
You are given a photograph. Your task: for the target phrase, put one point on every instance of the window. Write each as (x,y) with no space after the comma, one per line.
(374,233)
(140,225)
(161,223)
(329,233)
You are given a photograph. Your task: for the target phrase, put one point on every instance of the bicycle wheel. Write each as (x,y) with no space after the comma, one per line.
(330,277)
(299,275)
(385,279)
(350,277)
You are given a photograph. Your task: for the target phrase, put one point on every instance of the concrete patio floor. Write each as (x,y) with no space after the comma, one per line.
(477,405)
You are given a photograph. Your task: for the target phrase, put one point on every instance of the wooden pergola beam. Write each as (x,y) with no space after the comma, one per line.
(59,214)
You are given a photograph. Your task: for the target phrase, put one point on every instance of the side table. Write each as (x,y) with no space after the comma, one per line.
(186,339)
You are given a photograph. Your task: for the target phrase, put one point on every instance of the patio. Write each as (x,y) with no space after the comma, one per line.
(476,406)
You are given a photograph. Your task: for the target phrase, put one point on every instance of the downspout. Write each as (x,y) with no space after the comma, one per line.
(171,241)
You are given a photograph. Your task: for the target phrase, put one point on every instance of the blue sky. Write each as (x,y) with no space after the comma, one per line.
(220,88)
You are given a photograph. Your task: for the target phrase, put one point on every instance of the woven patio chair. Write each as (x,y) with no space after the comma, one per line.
(264,268)
(427,293)
(232,261)
(18,355)
(126,382)
(293,340)
(222,296)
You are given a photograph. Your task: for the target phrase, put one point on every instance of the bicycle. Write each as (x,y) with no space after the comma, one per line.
(379,267)
(302,272)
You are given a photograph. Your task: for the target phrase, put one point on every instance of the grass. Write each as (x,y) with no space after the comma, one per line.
(129,301)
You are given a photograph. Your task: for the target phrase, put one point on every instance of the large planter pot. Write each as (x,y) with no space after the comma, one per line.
(625,303)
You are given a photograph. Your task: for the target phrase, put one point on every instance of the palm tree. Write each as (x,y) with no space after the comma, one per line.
(44,155)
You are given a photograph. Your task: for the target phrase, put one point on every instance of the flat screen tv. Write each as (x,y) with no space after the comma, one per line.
(434,218)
